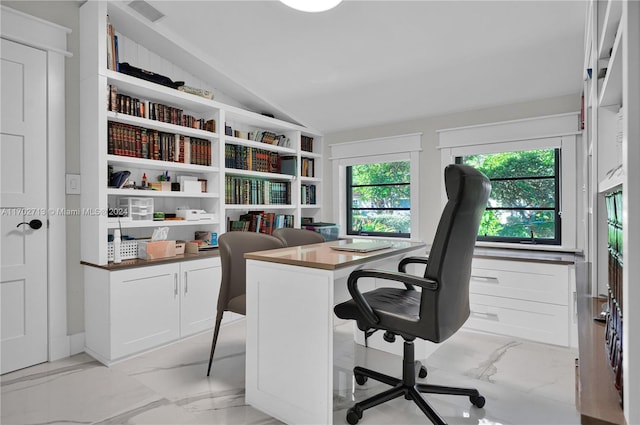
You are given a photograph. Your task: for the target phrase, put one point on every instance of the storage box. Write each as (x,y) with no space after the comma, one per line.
(151,250)
(138,208)
(328,231)
(180,245)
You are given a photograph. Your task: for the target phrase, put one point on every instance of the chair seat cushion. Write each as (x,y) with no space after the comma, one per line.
(238,305)
(394,306)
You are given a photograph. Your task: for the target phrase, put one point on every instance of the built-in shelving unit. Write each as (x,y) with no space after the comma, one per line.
(138,305)
(610,128)
(233,126)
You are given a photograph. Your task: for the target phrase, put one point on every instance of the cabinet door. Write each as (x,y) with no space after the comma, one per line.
(145,308)
(200,287)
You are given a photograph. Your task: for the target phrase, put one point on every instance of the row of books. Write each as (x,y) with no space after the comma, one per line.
(613,327)
(252,191)
(307,168)
(140,142)
(113,60)
(306,143)
(308,194)
(260,221)
(250,158)
(125,104)
(260,136)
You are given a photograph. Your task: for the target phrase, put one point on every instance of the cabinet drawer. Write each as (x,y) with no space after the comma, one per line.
(541,322)
(521,280)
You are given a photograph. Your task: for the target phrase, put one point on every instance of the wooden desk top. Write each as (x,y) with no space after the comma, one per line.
(321,256)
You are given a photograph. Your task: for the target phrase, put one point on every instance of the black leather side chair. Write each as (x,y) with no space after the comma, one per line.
(436,312)
(297,237)
(233,286)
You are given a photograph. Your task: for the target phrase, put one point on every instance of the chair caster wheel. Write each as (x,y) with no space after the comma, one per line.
(477,401)
(361,380)
(353,416)
(422,373)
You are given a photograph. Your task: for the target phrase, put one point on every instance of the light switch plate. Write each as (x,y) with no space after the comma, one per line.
(73,184)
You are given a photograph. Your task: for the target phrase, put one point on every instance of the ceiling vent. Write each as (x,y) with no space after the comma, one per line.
(146,10)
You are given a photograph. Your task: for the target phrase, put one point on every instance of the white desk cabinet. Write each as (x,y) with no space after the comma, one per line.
(526,299)
(135,309)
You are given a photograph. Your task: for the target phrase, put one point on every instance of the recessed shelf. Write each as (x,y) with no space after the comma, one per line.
(260,145)
(611,89)
(248,173)
(154,164)
(259,207)
(134,224)
(160,126)
(146,90)
(160,193)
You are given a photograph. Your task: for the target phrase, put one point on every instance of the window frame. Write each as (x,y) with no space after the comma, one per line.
(569,190)
(385,149)
(557,239)
(349,204)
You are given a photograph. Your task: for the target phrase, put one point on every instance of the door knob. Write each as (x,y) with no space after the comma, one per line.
(35,224)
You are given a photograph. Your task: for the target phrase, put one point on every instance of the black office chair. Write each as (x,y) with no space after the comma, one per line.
(232,296)
(297,237)
(436,312)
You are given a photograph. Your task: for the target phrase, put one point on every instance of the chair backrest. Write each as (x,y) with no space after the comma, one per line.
(233,246)
(296,237)
(445,310)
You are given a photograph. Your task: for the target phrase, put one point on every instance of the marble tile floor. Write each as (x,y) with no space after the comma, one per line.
(523,382)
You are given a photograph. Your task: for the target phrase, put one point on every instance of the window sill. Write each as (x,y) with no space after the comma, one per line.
(527,247)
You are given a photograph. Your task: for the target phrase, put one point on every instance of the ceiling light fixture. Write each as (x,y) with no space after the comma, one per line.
(312,5)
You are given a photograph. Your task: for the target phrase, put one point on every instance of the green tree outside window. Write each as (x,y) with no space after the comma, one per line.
(379,199)
(524,201)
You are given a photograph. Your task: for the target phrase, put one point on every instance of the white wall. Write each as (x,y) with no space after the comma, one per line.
(430,199)
(66,13)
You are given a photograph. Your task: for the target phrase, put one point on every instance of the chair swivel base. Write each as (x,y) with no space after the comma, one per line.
(407,387)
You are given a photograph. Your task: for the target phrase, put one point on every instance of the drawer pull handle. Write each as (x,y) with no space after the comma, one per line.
(486,279)
(486,316)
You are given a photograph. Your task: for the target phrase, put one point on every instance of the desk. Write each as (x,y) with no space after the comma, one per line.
(290,297)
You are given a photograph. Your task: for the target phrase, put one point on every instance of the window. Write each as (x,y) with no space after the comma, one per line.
(376,186)
(524,205)
(379,199)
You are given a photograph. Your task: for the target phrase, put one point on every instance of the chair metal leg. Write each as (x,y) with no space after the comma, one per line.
(381,377)
(408,387)
(425,407)
(215,338)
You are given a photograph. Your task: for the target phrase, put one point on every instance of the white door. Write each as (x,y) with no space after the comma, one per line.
(23,203)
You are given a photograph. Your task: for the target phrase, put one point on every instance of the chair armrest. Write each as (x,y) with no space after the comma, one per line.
(361,302)
(402,266)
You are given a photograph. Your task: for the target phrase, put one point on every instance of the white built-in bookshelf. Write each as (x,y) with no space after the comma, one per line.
(611,129)
(234,126)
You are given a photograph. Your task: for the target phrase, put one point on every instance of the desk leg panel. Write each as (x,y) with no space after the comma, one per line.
(289,368)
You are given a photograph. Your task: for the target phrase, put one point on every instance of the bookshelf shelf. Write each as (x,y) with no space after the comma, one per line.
(160,126)
(611,91)
(258,174)
(134,224)
(243,207)
(161,94)
(266,146)
(160,194)
(153,164)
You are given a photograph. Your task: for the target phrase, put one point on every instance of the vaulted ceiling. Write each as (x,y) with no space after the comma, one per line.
(366,63)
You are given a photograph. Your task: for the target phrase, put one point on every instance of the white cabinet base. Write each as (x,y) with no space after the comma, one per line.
(132,310)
